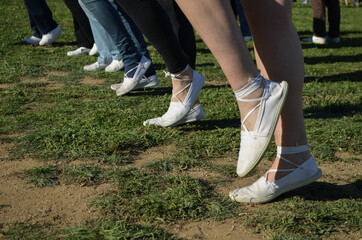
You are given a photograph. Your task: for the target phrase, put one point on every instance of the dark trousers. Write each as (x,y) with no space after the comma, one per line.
(40,17)
(82,29)
(319,17)
(182,28)
(154,22)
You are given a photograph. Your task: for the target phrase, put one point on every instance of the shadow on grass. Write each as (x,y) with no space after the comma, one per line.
(333,111)
(333,59)
(323,191)
(352,77)
(211,125)
(55,44)
(345,42)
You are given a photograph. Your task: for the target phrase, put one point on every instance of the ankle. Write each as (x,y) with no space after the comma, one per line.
(288,158)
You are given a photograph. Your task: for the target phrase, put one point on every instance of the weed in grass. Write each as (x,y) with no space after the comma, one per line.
(84,175)
(225,169)
(42,176)
(297,216)
(20,231)
(148,196)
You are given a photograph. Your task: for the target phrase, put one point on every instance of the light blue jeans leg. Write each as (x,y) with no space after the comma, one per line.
(101,37)
(119,43)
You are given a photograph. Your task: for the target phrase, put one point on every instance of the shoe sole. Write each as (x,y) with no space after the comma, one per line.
(290,188)
(271,132)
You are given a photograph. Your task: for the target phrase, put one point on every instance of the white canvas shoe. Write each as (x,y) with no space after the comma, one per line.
(50,37)
(178,110)
(264,191)
(32,40)
(316,40)
(129,83)
(97,66)
(115,66)
(94,50)
(145,82)
(79,51)
(195,114)
(253,144)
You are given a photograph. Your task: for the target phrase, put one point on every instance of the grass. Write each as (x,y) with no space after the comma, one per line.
(70,120)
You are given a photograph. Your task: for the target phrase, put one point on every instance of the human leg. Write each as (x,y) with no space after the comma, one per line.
(155,24)
(82,29)
(40,16)
(334,18)
(235,60)
(245,30)
(280,58)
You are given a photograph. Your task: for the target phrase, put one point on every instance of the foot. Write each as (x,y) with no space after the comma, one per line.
(195,114)
(316,40)
(186,88)
(145,82)
(133,75)
(97,66)
(79,51)
(260,113)
(115,66)
(50,37)
(94,50)
(265,189)
(32,40)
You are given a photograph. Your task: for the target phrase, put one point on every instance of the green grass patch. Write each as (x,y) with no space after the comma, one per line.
(297,216)
(42,176)
(141,195)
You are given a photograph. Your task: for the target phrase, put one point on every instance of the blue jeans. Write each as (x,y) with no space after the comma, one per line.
(245,30)
(40,17)
(110,34)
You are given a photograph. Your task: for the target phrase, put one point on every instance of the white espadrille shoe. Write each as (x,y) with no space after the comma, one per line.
(253,144)
(145,82)
(32,40)
(116,65)
(50,37)
(264,191)
(178,110)
(129,83)
(195,114)
(78,51)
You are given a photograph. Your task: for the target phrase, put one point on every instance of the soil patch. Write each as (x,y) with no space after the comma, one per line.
(92,81)
(62,205)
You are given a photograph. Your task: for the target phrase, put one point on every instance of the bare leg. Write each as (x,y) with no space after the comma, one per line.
(223,37)
(280,57)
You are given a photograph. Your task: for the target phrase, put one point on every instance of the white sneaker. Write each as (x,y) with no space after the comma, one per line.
(79,51)
(195,114)
(253,144)
(94,50)
(316,40)
(178,110)
(145,82)
(264,191)
(129,83)
(116,65)
(50,37)
(97,66)
(32,40)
